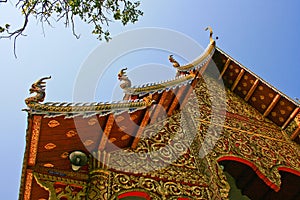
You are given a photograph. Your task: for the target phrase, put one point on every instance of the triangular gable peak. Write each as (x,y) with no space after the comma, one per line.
(55,130)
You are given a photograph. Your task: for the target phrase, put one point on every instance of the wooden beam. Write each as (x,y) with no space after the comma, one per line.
(141,128)
(252,89)
(272,105)
(292,116)
(224,68)
(237,80)
(177,100)
(159,106)
(106,132)
(295,133)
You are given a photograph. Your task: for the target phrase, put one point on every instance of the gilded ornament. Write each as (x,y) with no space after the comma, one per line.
(49,146)
(39,88)
(262,97)
(119,119)
(271,95)
(273,114)
(282,112)
(111,140)
(253,98)
(92,121)
(122,128)
(53,123)
(260,88)
(246,78)
(34,140)
(64,155)
(125,137)
(48,165)
(281,119)
(71,133)
(88,143)
(282,103)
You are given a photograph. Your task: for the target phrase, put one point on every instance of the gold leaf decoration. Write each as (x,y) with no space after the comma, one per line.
(125,137)
(88,142)
(111,140)
(122,128)
(53,123)
(50,146)
(92,121)
(48,165)
(64,155)
(119,119)
(133,117)
(71,133)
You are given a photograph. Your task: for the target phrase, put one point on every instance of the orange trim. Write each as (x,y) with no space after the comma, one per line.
(135,194)
(255,169)
(28,184)
(35,134)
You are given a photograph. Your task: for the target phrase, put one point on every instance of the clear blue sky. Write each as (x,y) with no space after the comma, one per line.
(262,35)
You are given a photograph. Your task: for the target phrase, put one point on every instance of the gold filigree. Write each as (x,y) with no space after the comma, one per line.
(71,133)
(50,146)
(53,123)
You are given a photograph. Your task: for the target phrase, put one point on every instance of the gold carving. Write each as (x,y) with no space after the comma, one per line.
(34,140)
(92,121)
(28,183)
(88,143)
(49,146)
(282,103)
(111,140)
(119,119)
(53,123)
(125,137)
(48,165)
(64,155)
(260,88)
(71,133)
(122,128)
(253,99)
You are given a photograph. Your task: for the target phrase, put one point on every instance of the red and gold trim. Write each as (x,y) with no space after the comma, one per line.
(34,139)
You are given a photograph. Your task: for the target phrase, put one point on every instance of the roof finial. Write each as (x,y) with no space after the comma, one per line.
(39,88)
(210,34)
(173,61)
(125,82)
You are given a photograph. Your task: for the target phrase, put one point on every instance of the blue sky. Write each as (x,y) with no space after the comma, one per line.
(262,35)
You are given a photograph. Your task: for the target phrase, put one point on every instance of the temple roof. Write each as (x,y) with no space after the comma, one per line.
(270,102)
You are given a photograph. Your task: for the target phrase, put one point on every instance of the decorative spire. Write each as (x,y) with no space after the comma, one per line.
(173,61)
(39,88)
(210,34)
(125,82)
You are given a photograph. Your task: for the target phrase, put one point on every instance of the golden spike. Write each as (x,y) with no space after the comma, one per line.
(210,33)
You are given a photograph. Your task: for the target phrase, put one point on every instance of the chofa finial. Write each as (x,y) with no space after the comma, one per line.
(125,82)
(210,33)
(173,61)
(39,88)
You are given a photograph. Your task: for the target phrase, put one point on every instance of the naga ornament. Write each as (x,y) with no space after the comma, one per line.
(39,88)
(173,61)
(125,82)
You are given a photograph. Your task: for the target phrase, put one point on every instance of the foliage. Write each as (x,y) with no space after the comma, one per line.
(99,13)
